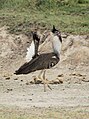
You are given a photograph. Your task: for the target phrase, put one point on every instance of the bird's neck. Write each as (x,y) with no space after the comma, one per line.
(56,43)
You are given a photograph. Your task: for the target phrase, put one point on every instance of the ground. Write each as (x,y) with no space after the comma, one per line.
(19,99)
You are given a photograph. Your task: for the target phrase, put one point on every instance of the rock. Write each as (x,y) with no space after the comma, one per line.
(60,75)
(7,78)
(15,78)
(56,81)
(9,89)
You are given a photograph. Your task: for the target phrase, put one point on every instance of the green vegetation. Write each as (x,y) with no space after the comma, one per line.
(24,15)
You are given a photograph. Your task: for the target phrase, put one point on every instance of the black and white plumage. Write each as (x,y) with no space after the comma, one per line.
(32,51)
(35,61)
(45,60)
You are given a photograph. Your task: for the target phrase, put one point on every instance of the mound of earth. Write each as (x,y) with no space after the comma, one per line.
(74,56)
(69,79)
(12,50)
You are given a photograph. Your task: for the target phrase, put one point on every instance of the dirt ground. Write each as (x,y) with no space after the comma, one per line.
(20,99)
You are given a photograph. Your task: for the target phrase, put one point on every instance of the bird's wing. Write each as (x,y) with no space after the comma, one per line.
(43,61)
(30,52)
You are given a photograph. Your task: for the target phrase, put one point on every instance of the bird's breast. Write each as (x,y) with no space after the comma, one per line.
(56,45)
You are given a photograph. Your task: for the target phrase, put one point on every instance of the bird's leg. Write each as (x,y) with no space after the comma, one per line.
(41,77)
(38,79)
(45,81)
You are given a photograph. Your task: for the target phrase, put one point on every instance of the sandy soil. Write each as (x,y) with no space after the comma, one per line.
(16,93)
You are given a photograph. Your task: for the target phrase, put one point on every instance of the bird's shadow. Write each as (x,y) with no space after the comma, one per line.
(43,61)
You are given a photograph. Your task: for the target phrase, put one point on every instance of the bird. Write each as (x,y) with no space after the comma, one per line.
(43,61)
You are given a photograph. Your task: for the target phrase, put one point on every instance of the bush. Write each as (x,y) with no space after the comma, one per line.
(74,2)
(42,4)
(14,3)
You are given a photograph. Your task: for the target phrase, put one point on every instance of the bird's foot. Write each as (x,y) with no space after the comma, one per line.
(40,79)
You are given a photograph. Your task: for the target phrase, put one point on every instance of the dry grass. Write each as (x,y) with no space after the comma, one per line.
(22,16)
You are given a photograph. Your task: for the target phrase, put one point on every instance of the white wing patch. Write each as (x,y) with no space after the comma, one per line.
(30,52)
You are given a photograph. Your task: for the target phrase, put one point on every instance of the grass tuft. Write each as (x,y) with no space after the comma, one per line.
(22,16)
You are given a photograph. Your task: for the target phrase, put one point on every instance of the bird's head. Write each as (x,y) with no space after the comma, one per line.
(56,32)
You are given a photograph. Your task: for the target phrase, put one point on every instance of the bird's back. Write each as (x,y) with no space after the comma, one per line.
(43,61)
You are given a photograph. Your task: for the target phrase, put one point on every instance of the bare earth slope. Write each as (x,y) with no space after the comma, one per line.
(73,70)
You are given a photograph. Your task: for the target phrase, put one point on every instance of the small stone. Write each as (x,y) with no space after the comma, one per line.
(27,83)
(16,79)
(7,78)
(60,75)
(57,81)
(9,89)
(30,99)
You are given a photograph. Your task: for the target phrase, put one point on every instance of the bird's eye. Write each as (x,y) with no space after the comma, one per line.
(52,64)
